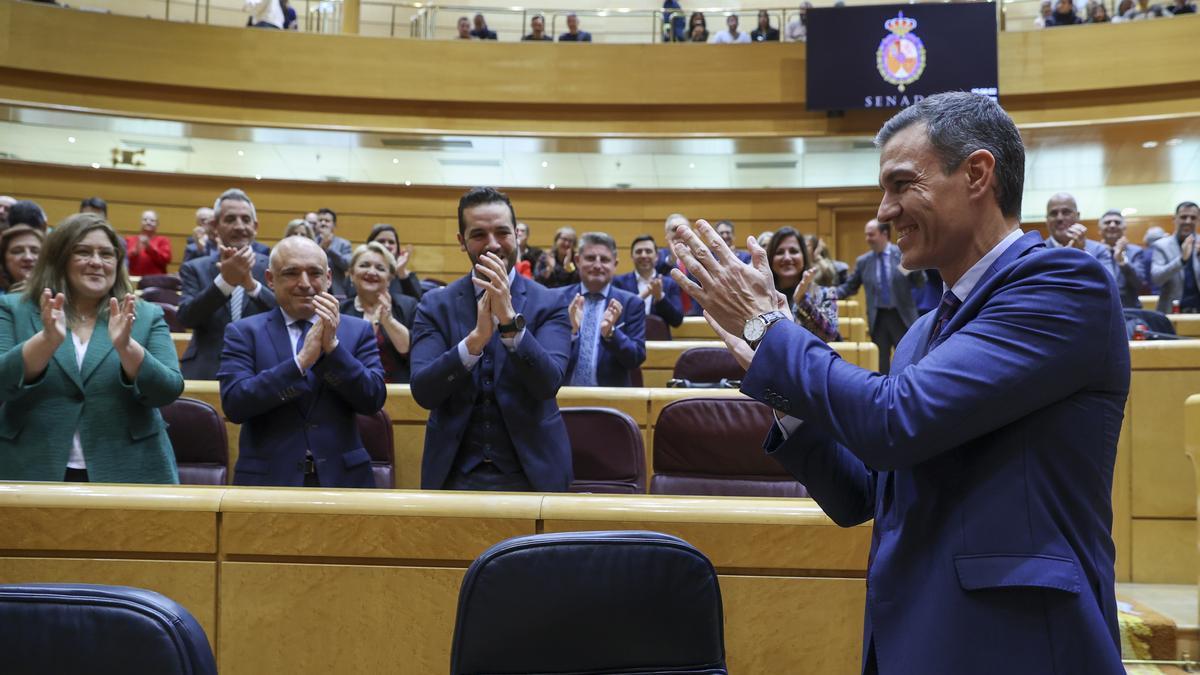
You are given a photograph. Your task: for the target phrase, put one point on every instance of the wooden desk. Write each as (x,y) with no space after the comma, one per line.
(1186,325)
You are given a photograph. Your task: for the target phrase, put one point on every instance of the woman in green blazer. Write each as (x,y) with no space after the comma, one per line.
(84,366)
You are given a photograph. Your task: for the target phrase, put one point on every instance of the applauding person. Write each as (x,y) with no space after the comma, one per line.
(84,366)
(390,314)
(608,325)
(660,293)
(404,282)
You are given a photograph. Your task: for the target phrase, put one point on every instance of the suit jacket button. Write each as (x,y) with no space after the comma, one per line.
(78,396)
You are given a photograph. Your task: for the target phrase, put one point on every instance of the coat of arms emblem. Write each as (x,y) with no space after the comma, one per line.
(901,55)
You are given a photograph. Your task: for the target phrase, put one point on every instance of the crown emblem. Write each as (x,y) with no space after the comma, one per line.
(901,25)
(901,54)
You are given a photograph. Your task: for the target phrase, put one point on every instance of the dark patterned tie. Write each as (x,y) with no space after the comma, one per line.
(945,312)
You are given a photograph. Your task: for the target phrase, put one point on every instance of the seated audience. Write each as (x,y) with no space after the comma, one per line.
(297,376)
(764,32)
(224,287)
(573,33)
(19,249)
(537,30)
(5,203)
(660,293)
(149,251)
(830,272)
(672,18)
(390,314)
(1144,10)
(556,268)
(94,205)
(336,249)
(730,35)
(312,220)
(608,325)
(403,281)
(204,236)
(1123,8)
(1176,267)
(1045,15)
(815,307)
(494,421)
(84,366)
(25,212)
(264,14)
(481,30)
(1063,227)
(1146,257)
(697,28)
(666,262)
(464,29)
(1118,258)
(1064,14)
(1098,13)
(797,28)
(525,252)
(1181,7)
(725,228)
(298,227)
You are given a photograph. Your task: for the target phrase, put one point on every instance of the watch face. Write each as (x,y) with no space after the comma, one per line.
(754,329)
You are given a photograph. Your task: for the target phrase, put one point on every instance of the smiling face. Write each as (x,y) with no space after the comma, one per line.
(149,223)
(1185,221)
(325,225)
(725,230)
(236,225)
(929,211)
(563,244)
(92,268)
(1061,214)
(645,254)
(1112,228)
(877,240)
(299,271)
(596,266)
(21,256)
(522,234)
(388,239)
(489,228)
(370,274)
(788,262)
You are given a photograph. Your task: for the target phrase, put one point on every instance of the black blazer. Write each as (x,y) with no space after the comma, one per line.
(205,309)
(404,308)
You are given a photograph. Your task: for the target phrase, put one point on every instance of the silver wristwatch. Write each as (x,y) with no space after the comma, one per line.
(756,328)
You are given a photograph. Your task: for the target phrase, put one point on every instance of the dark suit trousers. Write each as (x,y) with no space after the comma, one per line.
(889,328)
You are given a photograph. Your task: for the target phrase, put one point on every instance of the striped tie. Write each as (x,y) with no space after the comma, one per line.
(235,302)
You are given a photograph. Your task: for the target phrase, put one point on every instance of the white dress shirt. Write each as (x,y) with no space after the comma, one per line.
(510,343)
(75,460)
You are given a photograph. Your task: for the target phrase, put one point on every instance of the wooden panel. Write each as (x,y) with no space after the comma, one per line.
(1187,325)
(1192,434)
(319,619)
(1162,485)
(1164,551)
(112,529)
(192,584)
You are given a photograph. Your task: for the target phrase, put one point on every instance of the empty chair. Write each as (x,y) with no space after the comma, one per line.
(159,294)
(606,450)
(376,432)
(84,628)
(198,437)
(656,328)
(589,602)
(714,447)
(171,316)
(707,364)
(170,281)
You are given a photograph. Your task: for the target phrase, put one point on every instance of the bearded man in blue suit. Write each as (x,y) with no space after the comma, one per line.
(489,352)
(986,456)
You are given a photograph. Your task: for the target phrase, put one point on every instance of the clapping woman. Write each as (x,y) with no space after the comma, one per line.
(391,314)
(84,367)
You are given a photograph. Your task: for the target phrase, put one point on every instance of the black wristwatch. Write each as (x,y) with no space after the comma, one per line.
(516,326)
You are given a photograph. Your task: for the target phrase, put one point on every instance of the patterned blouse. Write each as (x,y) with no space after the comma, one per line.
(817,311)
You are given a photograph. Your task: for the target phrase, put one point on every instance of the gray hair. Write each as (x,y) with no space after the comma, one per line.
(233,195)
(1113,212)
(959,123)
(1154,234)
(598,238)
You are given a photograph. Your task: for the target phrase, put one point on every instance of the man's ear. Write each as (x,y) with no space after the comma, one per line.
(980,170)
(462,243)
(270,279)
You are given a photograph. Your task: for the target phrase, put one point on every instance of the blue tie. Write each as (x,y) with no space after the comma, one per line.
(885,288)
(945,312)
(585,368)
(304,325)
(235,303)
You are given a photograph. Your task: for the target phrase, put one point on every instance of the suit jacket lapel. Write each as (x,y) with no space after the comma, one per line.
(518,300)
(277,330)
(465,309)
(65,358)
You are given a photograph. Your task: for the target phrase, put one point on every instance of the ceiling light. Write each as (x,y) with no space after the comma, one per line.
(258,176)
(241,154)
(1150,144)
(95,165)
(70,139)
(1174,141)
(408,182)
(545,164)
(395,160)
(691,165)
(552,186)
(1128,211)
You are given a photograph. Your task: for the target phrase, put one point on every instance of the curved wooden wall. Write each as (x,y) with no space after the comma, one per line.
(143,67)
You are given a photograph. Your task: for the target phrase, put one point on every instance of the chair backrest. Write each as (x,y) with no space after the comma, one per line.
(606,450)
(714,447)
(707,364)
(593,602)
(171,316)
(170,281)
(656,328)
(83,628)
(158,294)
(1155,321)
(197,435)
(376,432)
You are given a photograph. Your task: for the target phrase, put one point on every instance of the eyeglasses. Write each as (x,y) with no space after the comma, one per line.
(85,254)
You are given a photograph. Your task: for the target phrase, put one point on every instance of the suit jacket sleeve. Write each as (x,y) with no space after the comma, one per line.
(628,342)
(1037,336)
(354,372)
(12,361)
(200,297)
(437,372)
(853,283)
(1163,265)
(541,357)
(339,254)
(670,308)
(247,391)
(411,286)
(159,251)
(833,476)
(158,380)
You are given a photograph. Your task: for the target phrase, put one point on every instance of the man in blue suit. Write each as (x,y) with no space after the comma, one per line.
(1120,259)
(986,457)
(295,378)
(660,294)
(223,287)
(489,352)
(1063,228)
(608,325)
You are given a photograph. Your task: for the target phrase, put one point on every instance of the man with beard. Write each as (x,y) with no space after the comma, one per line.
(1175,266)
(489,353)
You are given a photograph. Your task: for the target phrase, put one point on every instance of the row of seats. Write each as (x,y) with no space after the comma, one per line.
(702,446)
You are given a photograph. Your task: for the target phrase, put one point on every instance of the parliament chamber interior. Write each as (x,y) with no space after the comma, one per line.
(369,510)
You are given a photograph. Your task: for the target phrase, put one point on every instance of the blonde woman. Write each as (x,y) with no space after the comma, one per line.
(391,314)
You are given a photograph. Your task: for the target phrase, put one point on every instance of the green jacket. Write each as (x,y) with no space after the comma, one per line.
(123,436)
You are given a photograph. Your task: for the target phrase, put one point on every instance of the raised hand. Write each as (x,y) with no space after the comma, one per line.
(730,290)
(330,314)
(1189,245)
(656,288)
(1078,236)
(494,282)
(234,266)
(485,325)
(575,312)
(1119,250)
(608,322)
(200,235)
(54,317)
(121,315)
(804,285)
(402,256)
(310,350)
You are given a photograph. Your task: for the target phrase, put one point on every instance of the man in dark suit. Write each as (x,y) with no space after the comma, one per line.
(986,459)
(204,240)
(489,352)
(659,293)
(608,325)
(337,250)
(726,229)
(1120,259)
(890,306)
(222,287)
(295,378)
(1175,267)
